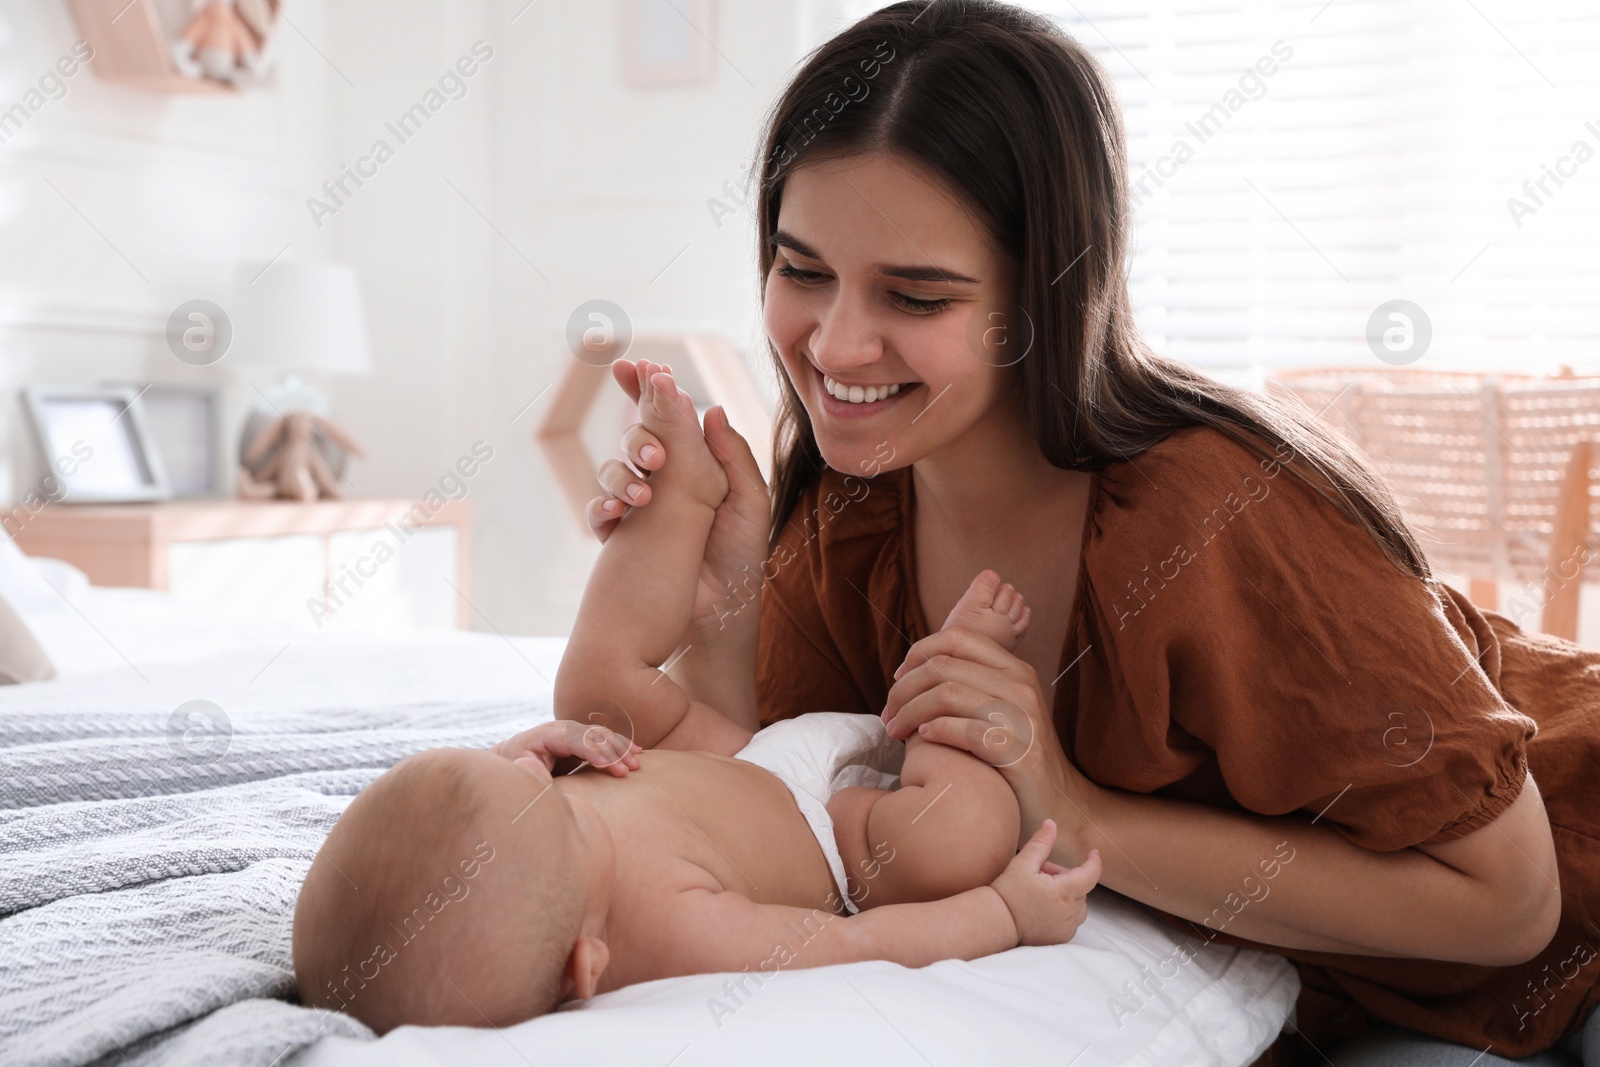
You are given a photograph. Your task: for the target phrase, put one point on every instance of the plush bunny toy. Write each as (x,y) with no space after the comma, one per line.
(226,40)
(298,456)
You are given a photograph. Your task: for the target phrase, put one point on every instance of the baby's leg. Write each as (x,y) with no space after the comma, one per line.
(953,823)
(641,591)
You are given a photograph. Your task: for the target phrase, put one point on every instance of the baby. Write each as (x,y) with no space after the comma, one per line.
(475,887)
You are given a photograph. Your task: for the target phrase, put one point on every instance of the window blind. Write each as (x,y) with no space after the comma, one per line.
(1295,165)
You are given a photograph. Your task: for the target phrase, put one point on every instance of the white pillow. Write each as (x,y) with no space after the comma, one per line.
(11,558)
(21,658)
(37,583)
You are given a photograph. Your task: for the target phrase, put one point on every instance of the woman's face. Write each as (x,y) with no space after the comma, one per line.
(880,279)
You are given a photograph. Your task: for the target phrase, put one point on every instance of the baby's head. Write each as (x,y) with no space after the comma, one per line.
(458,889)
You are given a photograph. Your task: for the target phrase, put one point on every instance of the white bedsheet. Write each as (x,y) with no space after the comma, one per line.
(1048,1006)
(1127,990)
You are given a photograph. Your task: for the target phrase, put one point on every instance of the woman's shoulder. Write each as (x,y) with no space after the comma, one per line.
(1196,472)
(1195,460)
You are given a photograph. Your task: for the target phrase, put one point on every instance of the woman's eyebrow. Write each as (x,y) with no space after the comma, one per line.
(927,274)
(911,274)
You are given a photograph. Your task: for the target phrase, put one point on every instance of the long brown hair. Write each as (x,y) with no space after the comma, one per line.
(1025,124)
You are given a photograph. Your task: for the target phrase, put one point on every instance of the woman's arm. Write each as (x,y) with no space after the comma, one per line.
(1286,882)
(1490,897)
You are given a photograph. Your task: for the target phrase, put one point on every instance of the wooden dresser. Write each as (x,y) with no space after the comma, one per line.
(383,566)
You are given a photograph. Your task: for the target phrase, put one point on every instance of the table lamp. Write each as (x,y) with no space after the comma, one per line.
(290,317)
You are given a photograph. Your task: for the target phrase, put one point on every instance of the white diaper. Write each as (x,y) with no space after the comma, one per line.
(820,753)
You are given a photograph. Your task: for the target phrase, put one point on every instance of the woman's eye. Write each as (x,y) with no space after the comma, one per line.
(789,270)
(909,303)
(923,307)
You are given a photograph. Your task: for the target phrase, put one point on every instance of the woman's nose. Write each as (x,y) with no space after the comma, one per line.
(846,338)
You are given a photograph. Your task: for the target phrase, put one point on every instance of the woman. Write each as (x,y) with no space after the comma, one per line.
(1241,682)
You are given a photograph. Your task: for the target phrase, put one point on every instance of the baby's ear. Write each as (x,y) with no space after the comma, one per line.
(586,964)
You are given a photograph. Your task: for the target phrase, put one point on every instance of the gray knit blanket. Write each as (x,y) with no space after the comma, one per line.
(149,865)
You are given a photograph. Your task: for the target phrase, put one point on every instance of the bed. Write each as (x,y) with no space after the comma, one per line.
(162,798)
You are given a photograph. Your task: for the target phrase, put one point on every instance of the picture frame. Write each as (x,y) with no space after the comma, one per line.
(95,444)
(185,424)
(668,42)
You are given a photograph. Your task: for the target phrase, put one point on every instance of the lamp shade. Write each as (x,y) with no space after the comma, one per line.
(299,316)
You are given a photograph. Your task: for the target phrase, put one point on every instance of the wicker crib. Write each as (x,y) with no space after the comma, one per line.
(1495,473)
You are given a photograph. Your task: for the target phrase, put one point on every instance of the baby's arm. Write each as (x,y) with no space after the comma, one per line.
(641,593)
(727,931)
(1033,902)
(952,824)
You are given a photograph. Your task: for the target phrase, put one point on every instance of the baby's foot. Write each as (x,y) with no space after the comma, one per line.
(666,411)
(992,608)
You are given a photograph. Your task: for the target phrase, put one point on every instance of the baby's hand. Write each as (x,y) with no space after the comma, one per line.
(550,741)
(1046,900)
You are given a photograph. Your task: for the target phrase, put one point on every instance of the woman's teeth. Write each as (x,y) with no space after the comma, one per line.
(856,394)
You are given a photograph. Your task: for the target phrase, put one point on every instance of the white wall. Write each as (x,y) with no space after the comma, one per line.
(602,187)
(117,205)
(567,185)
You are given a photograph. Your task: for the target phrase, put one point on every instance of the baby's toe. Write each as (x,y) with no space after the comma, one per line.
(667,384)
(982,591)
(669,414)
(1019,625)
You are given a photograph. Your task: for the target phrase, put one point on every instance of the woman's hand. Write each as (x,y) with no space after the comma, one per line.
(737,544)
(961,689)
(550,741)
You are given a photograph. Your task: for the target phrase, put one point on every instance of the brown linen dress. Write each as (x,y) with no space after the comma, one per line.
(1237,641)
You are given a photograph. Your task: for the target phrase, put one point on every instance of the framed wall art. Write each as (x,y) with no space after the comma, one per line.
(668,42)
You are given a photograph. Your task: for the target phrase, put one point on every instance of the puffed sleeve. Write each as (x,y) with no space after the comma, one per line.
(1262,637)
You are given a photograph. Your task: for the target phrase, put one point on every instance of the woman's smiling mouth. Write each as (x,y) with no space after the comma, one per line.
(856,394)
(846,400)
